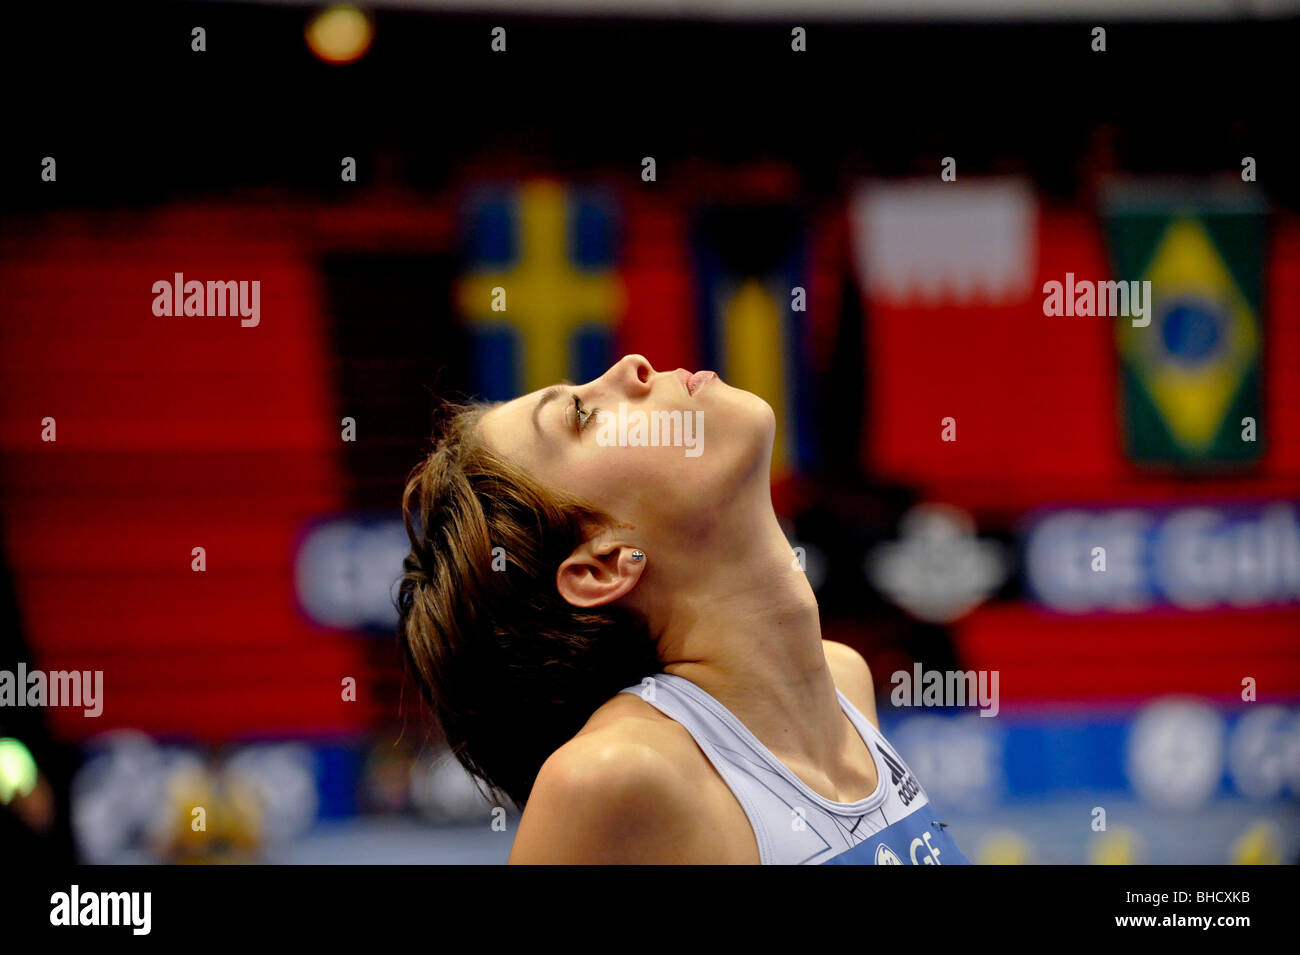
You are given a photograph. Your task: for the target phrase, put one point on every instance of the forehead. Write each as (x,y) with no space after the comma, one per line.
(507,425)
(508,413)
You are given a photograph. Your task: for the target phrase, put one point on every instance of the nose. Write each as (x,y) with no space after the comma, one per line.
(632,374)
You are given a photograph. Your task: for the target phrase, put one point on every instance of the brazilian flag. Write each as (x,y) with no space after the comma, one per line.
(1190,376)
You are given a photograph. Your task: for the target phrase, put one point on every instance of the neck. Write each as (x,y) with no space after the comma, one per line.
(739,619)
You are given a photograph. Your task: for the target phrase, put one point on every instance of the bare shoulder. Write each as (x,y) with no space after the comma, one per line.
(618,792)
(852,677)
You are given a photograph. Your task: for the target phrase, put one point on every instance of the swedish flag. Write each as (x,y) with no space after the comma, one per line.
(540,294)
(1191,377)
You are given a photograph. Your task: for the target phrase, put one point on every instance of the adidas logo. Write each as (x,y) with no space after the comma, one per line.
(900,776)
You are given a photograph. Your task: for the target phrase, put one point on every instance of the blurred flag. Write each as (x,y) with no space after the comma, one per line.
(540,294)
(949,275)
(753,300)
(1191,376)
(945,243)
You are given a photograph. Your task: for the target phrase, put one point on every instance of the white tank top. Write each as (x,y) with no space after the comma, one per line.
(793,825)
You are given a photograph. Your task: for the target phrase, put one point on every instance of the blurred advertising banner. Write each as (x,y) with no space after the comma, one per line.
(1176,780)
(1188,558)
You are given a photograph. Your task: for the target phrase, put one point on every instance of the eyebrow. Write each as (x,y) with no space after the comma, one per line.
(550,394)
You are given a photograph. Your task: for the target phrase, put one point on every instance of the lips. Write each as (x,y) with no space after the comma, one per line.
(698,380)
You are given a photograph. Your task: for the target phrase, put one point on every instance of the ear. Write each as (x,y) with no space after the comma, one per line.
(598,572)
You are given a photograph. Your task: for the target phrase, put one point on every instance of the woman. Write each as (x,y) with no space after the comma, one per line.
(615,634)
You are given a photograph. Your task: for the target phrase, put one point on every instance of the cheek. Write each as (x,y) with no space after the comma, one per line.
(637,482)
(627,471)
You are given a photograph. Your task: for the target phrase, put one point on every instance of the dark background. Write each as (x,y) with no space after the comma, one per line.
(226,164)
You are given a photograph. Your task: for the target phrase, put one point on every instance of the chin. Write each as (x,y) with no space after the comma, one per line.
(754,415)
(762,432)
(750,423)
(764,418)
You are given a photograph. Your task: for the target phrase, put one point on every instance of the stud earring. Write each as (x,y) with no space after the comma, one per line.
(638,556)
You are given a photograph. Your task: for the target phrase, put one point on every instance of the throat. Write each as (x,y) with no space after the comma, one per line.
(850,778)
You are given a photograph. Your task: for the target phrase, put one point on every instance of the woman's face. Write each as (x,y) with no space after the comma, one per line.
(651,449)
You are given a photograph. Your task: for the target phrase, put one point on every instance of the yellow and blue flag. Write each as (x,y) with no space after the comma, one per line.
(752,280)
(541,294)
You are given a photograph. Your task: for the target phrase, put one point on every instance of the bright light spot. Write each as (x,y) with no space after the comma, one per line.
(340,34)
(17,770)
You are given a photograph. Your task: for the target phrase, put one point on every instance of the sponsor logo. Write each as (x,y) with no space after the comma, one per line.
(900,776)
(1192,558)
(886,856)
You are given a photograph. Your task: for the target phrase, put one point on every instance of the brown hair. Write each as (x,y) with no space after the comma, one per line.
(510,669)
